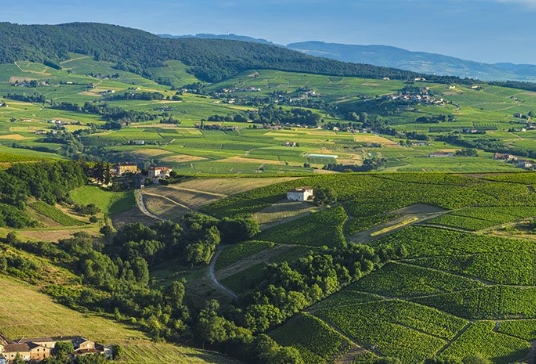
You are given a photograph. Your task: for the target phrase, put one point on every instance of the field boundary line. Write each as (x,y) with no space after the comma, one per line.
(456,337)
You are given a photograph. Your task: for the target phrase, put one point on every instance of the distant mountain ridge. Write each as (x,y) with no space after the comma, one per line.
(393,57)
(421,62)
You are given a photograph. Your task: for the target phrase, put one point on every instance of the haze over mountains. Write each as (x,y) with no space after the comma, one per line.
(393,57)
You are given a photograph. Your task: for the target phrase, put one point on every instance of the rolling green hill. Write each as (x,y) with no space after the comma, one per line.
(130,49)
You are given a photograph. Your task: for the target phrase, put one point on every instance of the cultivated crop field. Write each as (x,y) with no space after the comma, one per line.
(245,148)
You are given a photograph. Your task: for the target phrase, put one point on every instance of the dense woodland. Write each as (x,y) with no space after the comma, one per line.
(136,51)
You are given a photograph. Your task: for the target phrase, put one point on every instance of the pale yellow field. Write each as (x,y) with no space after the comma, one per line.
(231,186)
(145,153)
(250,160)
(281,134)
(182,158)
(12,137)
(373,138)
(24,129)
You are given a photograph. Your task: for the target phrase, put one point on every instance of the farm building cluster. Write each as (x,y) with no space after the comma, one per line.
(36,349)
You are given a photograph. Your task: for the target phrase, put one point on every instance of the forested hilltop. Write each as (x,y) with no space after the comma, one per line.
(135,50)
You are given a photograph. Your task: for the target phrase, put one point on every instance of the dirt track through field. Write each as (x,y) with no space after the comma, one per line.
(418,213)
(262,256)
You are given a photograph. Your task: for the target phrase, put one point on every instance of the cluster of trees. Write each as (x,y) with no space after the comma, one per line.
(492,145)
(146,95)
(287,288)
(108,113)
(369,164)
(35,97)
(466,152)
(435,119)
(46,181)
(271,114)
(71,145)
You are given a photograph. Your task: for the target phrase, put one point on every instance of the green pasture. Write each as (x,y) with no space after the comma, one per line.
(108,202)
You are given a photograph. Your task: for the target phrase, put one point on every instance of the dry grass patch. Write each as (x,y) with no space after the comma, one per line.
(147,153)
(373,138)
(13,137)
(53,235)
(231,186)
(163,207)
(182,158)
(323,171)
(187,198)
(250,160)
(282,212)
(24,312)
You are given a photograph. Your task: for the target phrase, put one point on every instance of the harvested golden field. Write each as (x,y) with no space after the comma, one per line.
(249,160)
(182,158)
(373,138)
(230,186)
(148,153)
(13,137)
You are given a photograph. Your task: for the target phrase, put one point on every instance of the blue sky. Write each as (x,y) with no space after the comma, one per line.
(481,30)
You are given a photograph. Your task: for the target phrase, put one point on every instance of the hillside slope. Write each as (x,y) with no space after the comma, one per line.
(24,312)
(135,50)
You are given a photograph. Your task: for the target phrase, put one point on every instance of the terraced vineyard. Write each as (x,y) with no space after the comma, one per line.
(456,292)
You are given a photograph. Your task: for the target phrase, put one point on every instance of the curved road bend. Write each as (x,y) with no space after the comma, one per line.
(141,205)
(212,276)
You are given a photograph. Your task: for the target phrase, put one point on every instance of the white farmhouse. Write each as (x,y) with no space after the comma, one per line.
(300,194)
(158,172)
